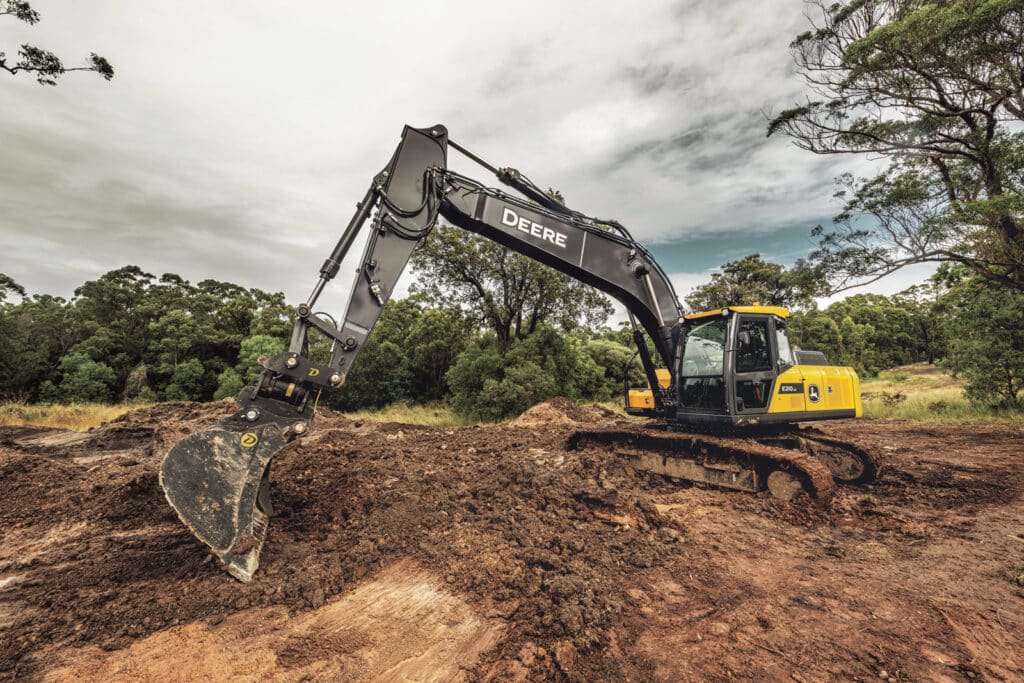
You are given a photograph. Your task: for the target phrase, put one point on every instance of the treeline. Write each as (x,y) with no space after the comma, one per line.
(131,336)
(970,325)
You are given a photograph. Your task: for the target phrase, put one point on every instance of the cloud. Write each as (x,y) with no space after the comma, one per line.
(234,141)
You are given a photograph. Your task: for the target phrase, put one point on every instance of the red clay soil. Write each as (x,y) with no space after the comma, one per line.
(404,552)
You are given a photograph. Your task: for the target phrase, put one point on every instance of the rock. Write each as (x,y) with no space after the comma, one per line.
(565,656)
(528,654)
(720,628)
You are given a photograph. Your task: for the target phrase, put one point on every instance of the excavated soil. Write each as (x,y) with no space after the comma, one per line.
(493,553)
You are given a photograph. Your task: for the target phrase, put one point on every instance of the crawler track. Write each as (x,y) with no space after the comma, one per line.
(848,463)
(740,463)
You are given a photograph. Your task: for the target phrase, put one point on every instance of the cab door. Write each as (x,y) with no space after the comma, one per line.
(791,385)
(755,363)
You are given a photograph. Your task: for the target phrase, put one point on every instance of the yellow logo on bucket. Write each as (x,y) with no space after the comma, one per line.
(313,372)
(249,439)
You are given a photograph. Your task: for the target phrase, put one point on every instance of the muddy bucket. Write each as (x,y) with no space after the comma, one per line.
(217,482)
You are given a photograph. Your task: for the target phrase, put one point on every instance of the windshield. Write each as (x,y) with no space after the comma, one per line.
(704,350)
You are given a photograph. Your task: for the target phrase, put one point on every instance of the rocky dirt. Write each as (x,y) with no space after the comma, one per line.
(492,553)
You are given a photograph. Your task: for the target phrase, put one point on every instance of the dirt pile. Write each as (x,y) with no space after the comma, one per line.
(562,411)
(569,563)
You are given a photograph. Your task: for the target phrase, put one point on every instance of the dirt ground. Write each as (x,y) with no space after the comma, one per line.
(492,553)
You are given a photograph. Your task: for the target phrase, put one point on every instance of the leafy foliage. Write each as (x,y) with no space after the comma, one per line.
(128,317)
(487,385)
(83,379)
(986,339)
(510,294)
(751,280)
(45,65)
(936,88)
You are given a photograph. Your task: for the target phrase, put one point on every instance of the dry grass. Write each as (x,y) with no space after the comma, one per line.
(437,414)
(430,415)
(917,392)
(75,416)
(925,393)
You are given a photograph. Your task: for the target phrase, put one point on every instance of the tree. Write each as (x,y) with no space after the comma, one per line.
(881,334)
(186,381)
(34,335)
(508,293)
(432,345)
(985,333)
(8,286)
(612,357)
(83,380)
(751,280)
(937,89)
(46,66)
(406,357)
(921,303)
(488,385)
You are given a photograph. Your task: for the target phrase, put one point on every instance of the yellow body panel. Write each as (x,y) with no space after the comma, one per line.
(769,310)
(641,399)
(821,388)
(644,398)
(834,387)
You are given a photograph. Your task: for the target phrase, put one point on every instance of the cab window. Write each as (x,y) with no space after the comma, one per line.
(752,348)
(782,341)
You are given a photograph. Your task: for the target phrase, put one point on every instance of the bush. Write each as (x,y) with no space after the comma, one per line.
(480,362)
(487,386)
(229,383)
(611,357)
(83,379)
(986,342)
(186,381)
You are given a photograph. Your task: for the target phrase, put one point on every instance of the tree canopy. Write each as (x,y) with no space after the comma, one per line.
(937,90)
(508,293)
(752,280)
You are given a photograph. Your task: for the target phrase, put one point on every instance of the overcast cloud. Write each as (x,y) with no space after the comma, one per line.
(236,136)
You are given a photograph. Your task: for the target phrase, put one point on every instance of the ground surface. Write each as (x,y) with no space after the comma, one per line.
(411,553)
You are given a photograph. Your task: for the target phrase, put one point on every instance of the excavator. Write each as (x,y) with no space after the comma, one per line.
(725,388)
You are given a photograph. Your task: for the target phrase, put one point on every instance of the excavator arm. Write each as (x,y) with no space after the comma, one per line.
(217,480)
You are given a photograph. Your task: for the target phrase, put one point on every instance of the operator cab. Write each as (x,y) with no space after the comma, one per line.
(736,365)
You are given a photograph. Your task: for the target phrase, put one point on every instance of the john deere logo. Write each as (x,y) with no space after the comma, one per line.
(813,395)
(249,439)
(313,372)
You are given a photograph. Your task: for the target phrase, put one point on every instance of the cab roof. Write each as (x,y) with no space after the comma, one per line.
(756,308)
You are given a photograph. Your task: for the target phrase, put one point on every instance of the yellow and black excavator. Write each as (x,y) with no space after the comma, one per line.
(723,403)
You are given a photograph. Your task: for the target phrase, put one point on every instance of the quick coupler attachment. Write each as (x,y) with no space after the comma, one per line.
(218,480)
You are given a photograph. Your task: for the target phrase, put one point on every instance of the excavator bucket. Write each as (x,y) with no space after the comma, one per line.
(218,483)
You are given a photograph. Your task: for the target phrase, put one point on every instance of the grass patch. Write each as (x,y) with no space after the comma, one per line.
(75,416)
(430,415)
(925,393)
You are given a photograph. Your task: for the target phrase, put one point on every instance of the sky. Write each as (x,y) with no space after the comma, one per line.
(236,137)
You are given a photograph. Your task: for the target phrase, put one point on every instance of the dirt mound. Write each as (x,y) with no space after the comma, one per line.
(550,563)
(562,411)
